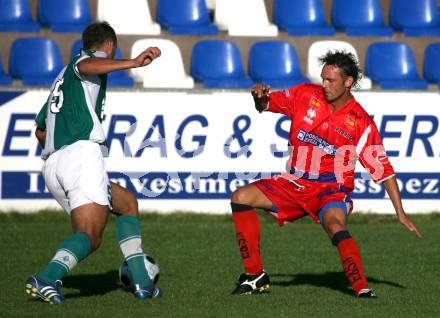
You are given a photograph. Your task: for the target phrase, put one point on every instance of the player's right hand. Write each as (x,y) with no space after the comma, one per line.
(259,93)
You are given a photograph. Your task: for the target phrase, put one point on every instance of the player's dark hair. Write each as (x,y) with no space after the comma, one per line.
(345,61)
(96,34)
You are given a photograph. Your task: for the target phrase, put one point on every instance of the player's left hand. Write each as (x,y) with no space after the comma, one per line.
(406,221)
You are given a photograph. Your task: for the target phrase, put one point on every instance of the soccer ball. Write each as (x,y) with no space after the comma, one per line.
(150,264)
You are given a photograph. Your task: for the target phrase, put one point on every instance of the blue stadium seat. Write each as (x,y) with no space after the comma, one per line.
(217,63)
(185,17)
(301,17)
(275,63)
(392,65)
(15,16)
(359,18)
(36,61)
(431,63)
(4,78)
(76,47)
(415,17)
(118,78)
(64,16)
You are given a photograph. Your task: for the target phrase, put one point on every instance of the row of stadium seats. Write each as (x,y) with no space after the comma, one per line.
(297,18)
(218,64)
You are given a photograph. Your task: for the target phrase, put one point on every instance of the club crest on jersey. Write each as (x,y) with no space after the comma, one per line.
(315,103)
(350,122)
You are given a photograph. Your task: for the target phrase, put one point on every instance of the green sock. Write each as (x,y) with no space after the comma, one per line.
(129,238)
(71,251)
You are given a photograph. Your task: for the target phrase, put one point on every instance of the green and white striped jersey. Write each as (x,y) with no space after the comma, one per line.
(74,109)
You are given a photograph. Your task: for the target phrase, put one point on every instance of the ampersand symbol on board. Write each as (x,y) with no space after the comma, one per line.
(238,135)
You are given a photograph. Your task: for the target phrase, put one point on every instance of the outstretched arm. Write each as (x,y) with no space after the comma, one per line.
(394,194)
(261,99)
(97,65)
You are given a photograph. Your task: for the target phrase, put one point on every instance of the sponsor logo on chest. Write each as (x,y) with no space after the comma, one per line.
(317,141)
(344,134)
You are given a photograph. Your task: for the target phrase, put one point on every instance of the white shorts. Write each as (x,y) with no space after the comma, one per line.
(76,175)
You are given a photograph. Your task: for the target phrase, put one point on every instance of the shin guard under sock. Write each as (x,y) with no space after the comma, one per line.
(247,228)
(351,260)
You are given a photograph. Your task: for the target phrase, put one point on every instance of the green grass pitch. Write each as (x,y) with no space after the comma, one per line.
(200,263)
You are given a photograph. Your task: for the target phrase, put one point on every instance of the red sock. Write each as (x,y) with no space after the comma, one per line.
(247,228)
(352,264)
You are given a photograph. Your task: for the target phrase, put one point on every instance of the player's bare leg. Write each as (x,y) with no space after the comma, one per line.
(124,202)
(91,220)
(128,229)
(252,196)
(334,222)
(247,227)
(88,223)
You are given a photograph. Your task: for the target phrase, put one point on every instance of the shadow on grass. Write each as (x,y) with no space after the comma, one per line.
(93,284)
(332,280)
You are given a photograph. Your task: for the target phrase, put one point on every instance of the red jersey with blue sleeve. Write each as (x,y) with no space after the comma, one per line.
(325,145)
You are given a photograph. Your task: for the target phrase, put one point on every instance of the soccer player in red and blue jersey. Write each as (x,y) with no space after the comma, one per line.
(329,132)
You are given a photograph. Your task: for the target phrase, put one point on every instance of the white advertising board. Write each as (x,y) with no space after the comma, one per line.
(189,151)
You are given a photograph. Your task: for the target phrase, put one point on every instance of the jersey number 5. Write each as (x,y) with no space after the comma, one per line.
(56,102)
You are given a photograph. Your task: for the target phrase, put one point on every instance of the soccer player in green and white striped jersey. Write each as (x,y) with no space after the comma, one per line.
(69,129)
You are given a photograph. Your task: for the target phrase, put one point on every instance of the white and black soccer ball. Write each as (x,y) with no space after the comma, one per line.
(150,264)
